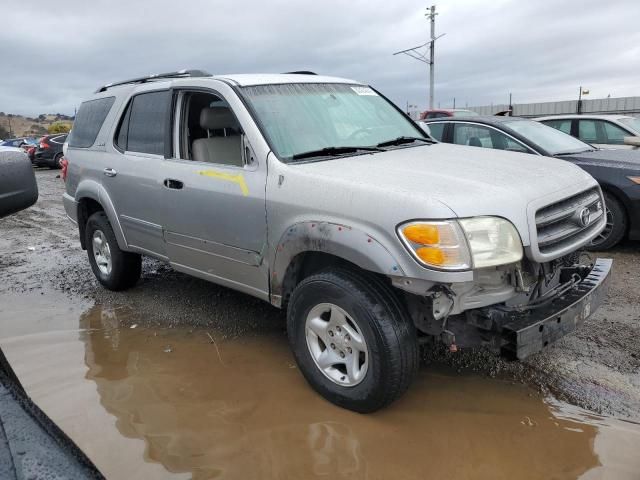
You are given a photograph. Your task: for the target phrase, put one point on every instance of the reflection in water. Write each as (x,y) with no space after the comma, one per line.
(240,409)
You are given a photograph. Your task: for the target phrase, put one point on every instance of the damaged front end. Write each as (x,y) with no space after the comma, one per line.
(540,303)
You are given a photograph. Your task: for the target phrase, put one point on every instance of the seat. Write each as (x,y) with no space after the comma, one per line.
(225,150)
(474,142)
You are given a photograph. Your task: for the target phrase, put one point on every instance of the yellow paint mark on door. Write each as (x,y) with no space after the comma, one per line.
(228,177)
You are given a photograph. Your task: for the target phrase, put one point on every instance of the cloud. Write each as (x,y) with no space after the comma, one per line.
(55,55)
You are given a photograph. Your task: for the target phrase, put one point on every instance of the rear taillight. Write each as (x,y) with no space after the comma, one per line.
(64,164)
(44,144)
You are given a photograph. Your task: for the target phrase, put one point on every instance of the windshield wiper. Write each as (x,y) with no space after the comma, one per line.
(402,141)
(332,151)
(575,153)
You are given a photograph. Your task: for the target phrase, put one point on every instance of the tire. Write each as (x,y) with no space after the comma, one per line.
(616,226)
(374,314)
(120,270)
(56,161)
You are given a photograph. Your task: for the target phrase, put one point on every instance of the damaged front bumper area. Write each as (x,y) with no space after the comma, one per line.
(520,332)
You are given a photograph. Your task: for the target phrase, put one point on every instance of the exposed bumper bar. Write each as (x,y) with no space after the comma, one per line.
(529,333)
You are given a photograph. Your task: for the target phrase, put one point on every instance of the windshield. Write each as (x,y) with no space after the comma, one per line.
(632,123)
(553,141)
(307,117)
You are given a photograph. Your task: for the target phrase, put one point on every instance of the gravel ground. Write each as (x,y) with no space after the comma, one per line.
(597,367)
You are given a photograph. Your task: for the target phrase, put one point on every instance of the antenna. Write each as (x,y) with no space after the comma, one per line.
(416,54)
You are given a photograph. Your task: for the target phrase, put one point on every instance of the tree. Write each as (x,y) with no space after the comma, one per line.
(59,127)
(4,133)
(38,129)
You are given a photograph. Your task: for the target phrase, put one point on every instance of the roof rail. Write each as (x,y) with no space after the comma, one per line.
(157,76)
(301,72)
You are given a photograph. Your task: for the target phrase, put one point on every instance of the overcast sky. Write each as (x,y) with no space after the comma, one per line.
(54,54)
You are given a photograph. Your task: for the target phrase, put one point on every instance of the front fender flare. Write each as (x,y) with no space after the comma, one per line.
(343,241)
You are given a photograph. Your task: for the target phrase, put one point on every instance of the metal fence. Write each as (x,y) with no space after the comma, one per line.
(622,105)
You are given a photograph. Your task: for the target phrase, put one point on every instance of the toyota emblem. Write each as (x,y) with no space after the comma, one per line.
(585,217)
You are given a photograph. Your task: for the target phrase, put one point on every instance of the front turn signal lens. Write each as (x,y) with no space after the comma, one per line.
(431,255)
(422,233)
(439,244)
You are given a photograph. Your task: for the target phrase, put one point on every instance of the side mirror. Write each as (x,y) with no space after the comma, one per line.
(634,141)
(18,187)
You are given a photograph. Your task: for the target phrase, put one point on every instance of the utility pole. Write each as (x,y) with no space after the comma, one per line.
(416,54)
(431,15)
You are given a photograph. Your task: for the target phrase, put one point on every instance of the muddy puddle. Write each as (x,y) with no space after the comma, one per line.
(192,403)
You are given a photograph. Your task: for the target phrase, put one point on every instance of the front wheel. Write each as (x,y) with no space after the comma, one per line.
(615,228)
(352,339)
(114,268)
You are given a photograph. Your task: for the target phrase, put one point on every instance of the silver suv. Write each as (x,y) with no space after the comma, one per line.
(320,196)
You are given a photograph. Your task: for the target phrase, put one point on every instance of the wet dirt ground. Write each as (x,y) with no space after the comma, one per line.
(179,378)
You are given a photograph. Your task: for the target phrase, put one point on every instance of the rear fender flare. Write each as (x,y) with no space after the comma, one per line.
(93,190)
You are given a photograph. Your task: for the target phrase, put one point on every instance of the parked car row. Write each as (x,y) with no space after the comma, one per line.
(617,171)
(43,152)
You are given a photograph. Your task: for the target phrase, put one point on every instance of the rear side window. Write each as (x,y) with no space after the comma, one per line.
(562,125)
(143,124)
(89,121)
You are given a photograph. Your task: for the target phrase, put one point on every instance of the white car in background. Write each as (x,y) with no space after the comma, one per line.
(10,149)
(601,131)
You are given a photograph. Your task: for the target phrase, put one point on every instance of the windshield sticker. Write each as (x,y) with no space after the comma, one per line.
(363,90)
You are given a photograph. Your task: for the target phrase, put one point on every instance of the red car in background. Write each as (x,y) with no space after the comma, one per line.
(452,112)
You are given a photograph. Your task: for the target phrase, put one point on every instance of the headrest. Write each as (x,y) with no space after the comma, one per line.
(217,118)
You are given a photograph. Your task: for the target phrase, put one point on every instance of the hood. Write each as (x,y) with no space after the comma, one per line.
(470,181)
(622,158)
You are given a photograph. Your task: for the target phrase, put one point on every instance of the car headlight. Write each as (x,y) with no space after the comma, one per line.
(475,242)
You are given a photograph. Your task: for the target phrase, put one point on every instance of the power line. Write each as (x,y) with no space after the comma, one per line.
(416,54)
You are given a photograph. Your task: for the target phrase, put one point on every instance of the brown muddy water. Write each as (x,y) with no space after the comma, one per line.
(191,403)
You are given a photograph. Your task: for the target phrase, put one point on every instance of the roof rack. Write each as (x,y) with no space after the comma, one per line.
(301,72)
(157,76)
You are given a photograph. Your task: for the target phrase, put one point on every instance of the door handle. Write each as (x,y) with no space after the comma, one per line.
(174,184)
(109,172)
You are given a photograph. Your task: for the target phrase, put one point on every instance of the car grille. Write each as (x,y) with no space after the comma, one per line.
(569,222)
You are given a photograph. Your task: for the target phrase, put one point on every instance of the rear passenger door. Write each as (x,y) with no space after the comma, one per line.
(133,176)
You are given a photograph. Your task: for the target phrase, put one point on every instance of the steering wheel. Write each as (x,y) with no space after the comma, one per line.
(360,132)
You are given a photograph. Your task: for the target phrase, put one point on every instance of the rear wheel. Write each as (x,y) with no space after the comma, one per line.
(615,228)
(352,339)
(114,268)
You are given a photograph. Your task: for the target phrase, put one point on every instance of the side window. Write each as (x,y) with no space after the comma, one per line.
(615,135)
(472,135)
(588,131)
(479,136)
(147,122)
(562,125)
(209,130)
(437,130)
(513,146)
(88,122)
